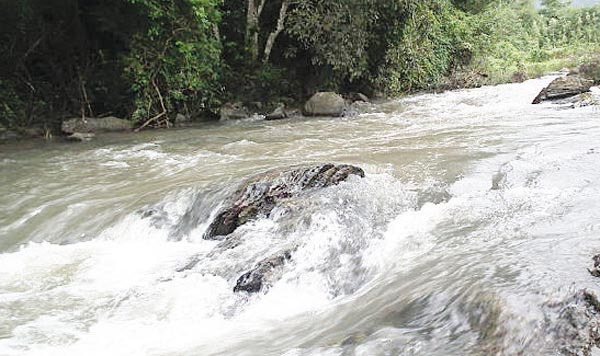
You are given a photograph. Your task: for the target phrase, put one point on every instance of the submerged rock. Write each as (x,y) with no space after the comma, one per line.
(262,194)
(95,125)
(564,87)
(254,280)
(325,104)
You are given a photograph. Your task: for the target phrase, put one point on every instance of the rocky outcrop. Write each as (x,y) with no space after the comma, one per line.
(255,279)
(325,104)
(564,87)
(233,111)
(259,196)
(95,125)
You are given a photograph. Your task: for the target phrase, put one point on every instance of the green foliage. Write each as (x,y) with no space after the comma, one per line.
(151,59)
(174,60)
(521,39)
(65,58)
(11,106)
(336,33)
(421,49)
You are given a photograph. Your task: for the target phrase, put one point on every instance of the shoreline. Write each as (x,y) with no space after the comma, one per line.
(32,134)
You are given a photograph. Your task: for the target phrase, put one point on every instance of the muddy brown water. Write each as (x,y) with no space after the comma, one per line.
(477,210)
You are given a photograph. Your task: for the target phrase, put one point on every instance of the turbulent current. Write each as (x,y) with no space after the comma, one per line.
(477,217)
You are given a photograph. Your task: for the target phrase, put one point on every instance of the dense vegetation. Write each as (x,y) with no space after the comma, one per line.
(149,60)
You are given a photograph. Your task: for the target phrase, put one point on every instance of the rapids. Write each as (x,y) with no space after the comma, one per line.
(478,210)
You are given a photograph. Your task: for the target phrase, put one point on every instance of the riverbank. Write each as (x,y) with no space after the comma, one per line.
(348,104)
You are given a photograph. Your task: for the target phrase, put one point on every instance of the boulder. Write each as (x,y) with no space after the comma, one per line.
(325,104)
(95,125)
(254,280)
(80,137)
(564,87)
(233,111)
(277,114)
(259,196)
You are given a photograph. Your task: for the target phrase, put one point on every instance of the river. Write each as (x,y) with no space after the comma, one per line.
(477,212)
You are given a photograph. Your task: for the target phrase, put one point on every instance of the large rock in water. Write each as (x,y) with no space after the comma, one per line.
(325,104)
(564,87)
(262,194)
(94,125)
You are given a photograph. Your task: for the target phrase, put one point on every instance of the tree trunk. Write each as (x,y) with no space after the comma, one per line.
(253,26)
(280,26)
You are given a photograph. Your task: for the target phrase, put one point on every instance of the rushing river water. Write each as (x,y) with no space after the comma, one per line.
(477,212)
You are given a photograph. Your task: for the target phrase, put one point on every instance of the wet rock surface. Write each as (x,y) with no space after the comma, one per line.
(574,323)
(264,193)
(564,87)
(255,279)
(595,270)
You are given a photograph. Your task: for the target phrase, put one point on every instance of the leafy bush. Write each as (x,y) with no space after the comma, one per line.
(173,62)
(424,48)
(12,109)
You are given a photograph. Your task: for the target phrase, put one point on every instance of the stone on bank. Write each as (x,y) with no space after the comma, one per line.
(325,104)
(96,125)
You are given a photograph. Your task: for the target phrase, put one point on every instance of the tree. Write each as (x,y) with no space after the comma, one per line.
(336,34)
(174,58)
(253,28)
(551,7)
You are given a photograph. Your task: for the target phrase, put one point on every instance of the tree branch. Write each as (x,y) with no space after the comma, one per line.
(162,104)
(260,8)
(280,26)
